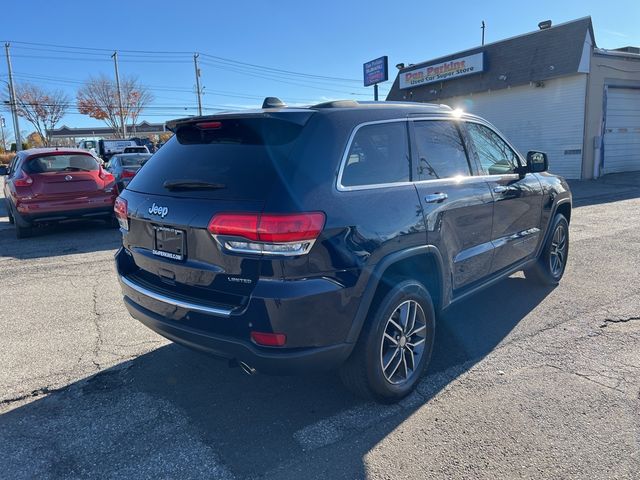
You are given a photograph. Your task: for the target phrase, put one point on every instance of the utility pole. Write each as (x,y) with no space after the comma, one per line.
(482,27)
(124,127)
(12,99)
(195,64)
(4,143)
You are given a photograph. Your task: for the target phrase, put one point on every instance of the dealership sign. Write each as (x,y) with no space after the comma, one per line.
(439,72)
(376,71)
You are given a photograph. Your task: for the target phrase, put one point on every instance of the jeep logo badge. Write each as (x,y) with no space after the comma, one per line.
(157,210)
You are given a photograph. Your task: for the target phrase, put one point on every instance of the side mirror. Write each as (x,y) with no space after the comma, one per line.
(3,170)
(537,162)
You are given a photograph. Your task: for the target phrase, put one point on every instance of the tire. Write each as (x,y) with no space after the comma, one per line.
(383,341)
(112,222)
(23,232)
(7,207)
(550,266)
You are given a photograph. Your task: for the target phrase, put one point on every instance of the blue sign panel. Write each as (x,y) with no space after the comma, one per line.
(376,71)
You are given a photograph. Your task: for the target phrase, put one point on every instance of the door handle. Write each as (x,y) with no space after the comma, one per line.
(436,197)
(500,189)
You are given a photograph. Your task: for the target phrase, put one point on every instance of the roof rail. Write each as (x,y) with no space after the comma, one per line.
(337,104)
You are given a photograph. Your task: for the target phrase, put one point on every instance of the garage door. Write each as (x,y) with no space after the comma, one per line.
(622,130)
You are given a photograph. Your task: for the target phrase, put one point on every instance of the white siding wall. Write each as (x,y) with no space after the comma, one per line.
(549,118)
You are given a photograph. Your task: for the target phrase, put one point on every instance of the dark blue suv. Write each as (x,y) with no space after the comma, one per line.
(330,237)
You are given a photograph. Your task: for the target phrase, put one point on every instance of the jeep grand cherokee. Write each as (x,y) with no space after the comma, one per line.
(330,237)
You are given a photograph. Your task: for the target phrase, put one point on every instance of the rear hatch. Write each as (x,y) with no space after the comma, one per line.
(64,176)
(213,165)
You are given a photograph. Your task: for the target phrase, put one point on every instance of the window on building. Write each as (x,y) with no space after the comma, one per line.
(441,152)
(378,154)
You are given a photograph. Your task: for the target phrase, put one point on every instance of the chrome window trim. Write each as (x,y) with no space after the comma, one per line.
(435,117)
(195,307)
(345,188)
(521,161)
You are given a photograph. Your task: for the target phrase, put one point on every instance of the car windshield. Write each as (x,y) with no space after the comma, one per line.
(61,163)
(134,160)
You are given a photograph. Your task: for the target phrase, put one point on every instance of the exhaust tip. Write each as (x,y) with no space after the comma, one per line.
(249,370)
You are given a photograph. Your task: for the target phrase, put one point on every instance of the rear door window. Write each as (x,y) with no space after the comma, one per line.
(379,154)
(441,151)
(242,156)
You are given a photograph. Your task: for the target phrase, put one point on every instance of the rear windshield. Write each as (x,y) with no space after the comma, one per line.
(134,161)
(240,156)
(61,163)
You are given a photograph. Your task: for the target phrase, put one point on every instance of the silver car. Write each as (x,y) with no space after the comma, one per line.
(124,167)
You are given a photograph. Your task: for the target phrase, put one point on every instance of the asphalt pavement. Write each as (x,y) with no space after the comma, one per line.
(526,382)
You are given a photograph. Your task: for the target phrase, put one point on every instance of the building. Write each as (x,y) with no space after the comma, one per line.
(552,89)
(73,135)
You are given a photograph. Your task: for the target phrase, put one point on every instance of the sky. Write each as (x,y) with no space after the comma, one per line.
(302,52)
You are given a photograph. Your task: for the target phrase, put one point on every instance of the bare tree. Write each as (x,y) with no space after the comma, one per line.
(42,108)
(98,98)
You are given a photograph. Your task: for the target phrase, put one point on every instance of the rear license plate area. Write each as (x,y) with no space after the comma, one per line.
(169,243)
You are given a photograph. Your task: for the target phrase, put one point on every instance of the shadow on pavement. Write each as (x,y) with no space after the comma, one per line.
(53,240)
(173,412)
(609,188)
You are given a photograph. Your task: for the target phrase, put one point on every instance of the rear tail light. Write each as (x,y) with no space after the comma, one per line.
(109,179)
(269,339)
(270,234)
(121,211)
(22,180)
(128,174)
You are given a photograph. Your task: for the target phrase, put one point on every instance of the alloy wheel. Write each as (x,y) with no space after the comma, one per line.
(403,342)
(558,252)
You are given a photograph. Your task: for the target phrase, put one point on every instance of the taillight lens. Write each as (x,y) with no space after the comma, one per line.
(22,180)
(128,174)
(278,234)
(235,225)
(269,339)
(106,176)
(290,228)
(121,210)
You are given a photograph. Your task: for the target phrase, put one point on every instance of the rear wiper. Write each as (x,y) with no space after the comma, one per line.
(75,169)
(192,185)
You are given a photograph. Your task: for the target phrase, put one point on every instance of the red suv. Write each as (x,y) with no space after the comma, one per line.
(54,184)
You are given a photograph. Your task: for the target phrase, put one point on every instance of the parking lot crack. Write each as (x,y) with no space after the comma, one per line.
(34,393)
(590,378)
(608,321)
(96,322)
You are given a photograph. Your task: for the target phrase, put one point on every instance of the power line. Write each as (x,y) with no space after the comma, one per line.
(93,51)
(286,81)
(157,88)
(290,72)
(99,49)
(83,59)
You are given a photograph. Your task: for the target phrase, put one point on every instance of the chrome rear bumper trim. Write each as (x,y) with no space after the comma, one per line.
(221,312)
